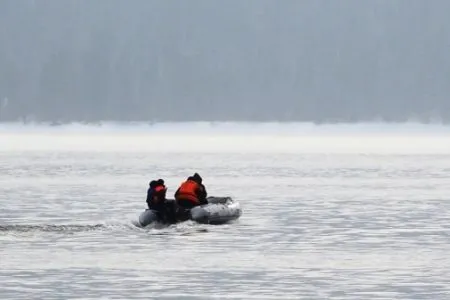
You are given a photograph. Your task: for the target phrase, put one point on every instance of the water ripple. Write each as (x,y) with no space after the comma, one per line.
(314,226)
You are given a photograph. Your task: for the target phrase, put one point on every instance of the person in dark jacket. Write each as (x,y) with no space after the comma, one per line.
(156,197)
(191,192)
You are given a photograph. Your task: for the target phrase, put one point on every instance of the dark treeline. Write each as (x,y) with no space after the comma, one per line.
(144,60)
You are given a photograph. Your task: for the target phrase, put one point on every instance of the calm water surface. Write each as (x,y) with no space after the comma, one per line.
(315,224)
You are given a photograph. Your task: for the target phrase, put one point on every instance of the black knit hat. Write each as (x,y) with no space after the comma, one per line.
(197,178)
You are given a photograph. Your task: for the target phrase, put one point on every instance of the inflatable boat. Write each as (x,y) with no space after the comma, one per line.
(219,210)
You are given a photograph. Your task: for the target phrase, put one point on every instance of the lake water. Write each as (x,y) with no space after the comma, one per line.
(349,213)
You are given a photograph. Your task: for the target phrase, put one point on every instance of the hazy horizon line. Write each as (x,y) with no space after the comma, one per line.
(228,128)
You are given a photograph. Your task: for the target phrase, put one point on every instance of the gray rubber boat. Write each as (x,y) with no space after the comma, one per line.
(219,210)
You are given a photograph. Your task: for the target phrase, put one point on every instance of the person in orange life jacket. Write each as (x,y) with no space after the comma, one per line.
(191,193)
(156,196)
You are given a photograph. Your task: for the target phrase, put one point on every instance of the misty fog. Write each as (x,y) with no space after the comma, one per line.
(144,60)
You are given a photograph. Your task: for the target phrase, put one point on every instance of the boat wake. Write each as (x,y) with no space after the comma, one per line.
(67,229)
(50,228)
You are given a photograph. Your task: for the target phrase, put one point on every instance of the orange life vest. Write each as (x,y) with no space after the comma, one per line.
(159,188)
(188,190)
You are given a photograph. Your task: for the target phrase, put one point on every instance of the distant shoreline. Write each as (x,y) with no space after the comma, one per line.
(228,128)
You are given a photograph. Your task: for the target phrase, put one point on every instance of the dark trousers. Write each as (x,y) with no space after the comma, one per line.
(183,209)
(187,204)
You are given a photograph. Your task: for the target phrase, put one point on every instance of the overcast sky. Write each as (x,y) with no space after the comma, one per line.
(144,60)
